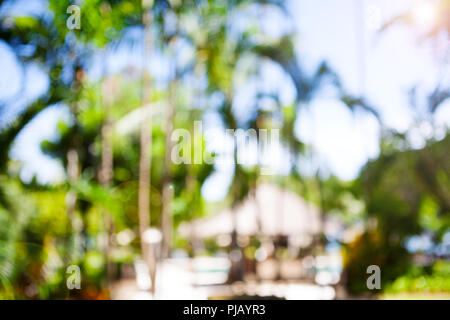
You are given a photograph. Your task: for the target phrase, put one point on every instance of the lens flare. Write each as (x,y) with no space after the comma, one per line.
(425,14)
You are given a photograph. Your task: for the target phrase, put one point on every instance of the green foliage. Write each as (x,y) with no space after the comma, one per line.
(372,248)
(402,193)
(401,201)
(433,279)
(101,21)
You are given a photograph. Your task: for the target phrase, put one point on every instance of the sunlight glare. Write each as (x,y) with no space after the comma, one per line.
(424,14)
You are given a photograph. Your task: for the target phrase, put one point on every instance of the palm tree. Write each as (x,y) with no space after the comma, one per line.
(145,148)
(106,167)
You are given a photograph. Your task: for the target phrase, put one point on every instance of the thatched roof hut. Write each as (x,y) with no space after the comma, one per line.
(273,211)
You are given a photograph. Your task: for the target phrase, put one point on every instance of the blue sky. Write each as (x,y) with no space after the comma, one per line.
(383,66)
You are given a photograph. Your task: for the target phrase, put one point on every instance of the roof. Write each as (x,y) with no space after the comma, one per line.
(281,212)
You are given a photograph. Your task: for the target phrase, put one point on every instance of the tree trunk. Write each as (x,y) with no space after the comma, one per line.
(73,168)
(71,199)
(167,192)
(106,171)
(145,153)
(237,257)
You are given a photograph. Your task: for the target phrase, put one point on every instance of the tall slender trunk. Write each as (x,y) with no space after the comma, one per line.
(281,235)
(106,171)
(255,186)
(320,240)
(167,192)
(71,199)
(190,189)
(237,262)
(73,169)
(145,152)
